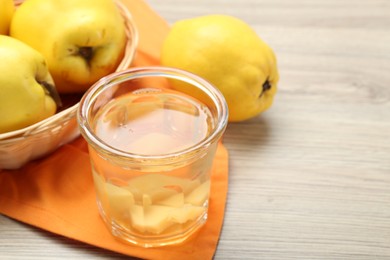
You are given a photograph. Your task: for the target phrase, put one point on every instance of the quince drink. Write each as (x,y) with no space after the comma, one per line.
(156,201)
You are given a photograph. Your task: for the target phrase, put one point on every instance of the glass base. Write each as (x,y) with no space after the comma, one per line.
(127,236)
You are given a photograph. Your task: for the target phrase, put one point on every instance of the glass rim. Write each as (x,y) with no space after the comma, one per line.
(115,78)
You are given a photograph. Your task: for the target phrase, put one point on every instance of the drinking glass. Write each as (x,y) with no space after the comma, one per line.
(152,134)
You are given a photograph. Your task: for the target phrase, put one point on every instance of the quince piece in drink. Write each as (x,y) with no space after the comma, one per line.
(154,197)
(120,199)
(156,219)
(100,190)
(186,213)
(152,219)
(199,195)
(159,186)
(174,201)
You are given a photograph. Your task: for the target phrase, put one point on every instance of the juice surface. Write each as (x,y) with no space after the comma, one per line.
(153,121)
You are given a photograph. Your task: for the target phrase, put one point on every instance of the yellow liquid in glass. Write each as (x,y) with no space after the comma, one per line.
(154,205)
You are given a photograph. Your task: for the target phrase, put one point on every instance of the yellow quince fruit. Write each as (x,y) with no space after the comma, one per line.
(229,54)
(81,40)
(27,91)
(7,9)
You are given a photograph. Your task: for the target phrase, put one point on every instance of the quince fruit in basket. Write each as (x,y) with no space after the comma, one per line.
(7,9)
(27,91)
(81,40)
(229,54)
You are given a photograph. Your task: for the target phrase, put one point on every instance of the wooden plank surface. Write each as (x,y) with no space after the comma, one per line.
(310,178)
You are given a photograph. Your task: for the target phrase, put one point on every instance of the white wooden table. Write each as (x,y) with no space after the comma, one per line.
(310,178)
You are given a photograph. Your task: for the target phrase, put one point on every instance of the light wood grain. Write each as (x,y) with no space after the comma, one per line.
(310,178)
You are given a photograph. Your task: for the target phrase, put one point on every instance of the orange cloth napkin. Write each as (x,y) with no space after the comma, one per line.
(56,193)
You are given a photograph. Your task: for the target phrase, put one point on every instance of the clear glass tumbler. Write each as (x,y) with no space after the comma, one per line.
(152,134)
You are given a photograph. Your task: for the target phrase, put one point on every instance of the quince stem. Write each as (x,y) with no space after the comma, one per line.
(266,86)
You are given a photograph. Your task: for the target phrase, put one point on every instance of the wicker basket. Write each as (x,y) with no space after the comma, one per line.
(35,141)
